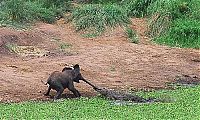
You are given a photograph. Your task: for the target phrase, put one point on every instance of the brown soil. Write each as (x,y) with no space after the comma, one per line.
(109,61)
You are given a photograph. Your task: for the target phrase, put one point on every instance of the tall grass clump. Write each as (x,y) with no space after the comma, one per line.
(42,13)
(137,8)
(95,18)
(15,10)
(104,1)
(132,35)
(58,6)
(28,11)
(182,33)
(176,8)
(159,24)
(162,14)
(175,22)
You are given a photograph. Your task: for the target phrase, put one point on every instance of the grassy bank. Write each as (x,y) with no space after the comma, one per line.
(185,105)
(174,23)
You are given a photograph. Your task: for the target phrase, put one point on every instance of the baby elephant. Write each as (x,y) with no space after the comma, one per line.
(61,80)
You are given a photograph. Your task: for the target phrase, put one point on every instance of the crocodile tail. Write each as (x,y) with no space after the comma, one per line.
(150,100)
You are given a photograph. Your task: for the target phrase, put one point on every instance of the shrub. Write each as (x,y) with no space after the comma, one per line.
(26,11)
(159,24)
(137,8)
(176,8)
(16,10)
(162,12)
(96,17)
(41,13)
(104,1)
(57,6)
(131,34)
(183,33)
(175,22)
(195,9)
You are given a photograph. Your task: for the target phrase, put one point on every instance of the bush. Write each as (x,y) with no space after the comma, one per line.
(132,36)
(137,8)
(195,9)
(57,6)
(176,8)
(96,18)
(175,22)
(27,11)
(104,1)
(183,33)
(159,24)
(162,12)
(41,13)
(16,10)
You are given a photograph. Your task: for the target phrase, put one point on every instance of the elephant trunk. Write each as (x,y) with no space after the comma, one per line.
(94,87)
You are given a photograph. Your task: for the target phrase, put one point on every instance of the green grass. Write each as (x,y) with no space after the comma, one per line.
(90,35)
(137,8)
(132,35)
(185,107)
(14,12)
(176,8)
(182,33)
(96,18)
(104,1)
(175,23)
(62,45)
(11,47)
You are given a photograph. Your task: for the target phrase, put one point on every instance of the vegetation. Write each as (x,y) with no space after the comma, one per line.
(137,8)
(175,22)
(95,18)
(184,105)
(26,11)
(182,33)
(12,47)
(104,1)
(132,35)
(172,22)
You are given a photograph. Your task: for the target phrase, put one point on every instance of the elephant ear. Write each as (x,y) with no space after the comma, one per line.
(76,69)
(76,66)
(67,68)
(76,73)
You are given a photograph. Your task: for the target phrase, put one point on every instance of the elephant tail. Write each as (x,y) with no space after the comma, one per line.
(45,83)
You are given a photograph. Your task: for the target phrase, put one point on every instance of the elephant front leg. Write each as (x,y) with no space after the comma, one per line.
(75,92)
(48,91)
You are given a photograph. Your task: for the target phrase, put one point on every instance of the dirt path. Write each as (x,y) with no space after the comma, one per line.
(108,61)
